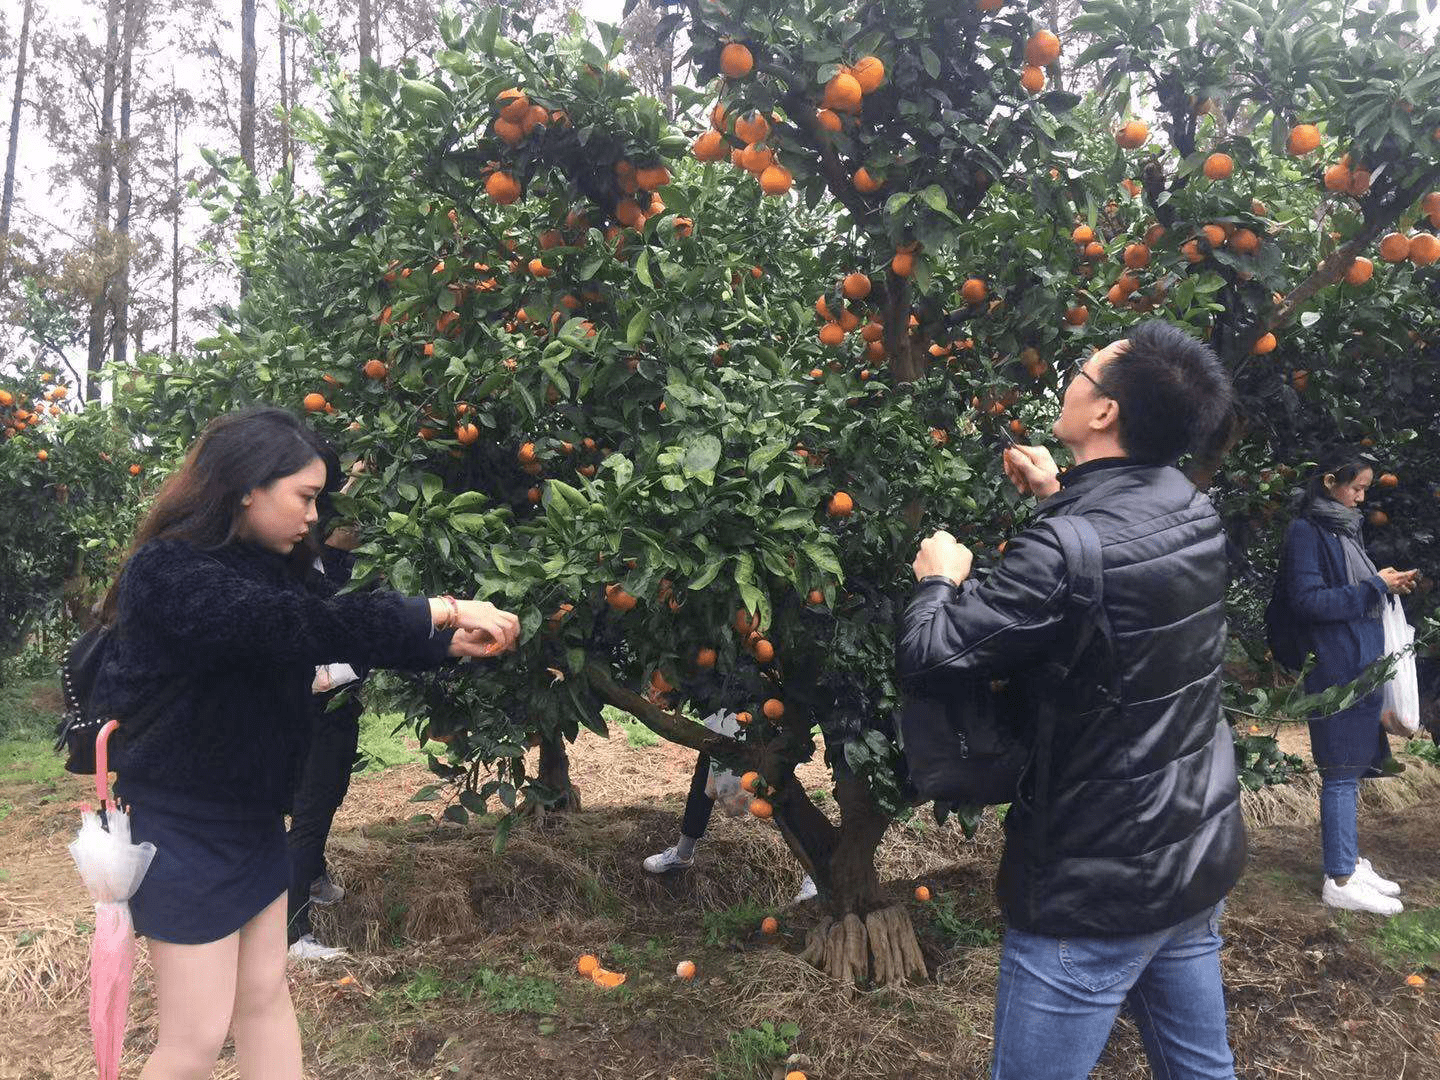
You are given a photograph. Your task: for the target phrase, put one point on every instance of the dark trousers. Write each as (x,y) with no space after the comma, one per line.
(698,805)
(324,780)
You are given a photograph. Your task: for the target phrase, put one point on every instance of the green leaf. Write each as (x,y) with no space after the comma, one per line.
(702,455)
(930,61)
(642,269)
(639,323)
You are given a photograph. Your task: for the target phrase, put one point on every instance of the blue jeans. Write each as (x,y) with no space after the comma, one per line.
(1339,823)
(1058,998)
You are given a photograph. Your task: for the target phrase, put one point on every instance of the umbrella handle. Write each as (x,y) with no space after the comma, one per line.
(102,762)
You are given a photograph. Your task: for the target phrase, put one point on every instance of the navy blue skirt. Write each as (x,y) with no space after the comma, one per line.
(216,866)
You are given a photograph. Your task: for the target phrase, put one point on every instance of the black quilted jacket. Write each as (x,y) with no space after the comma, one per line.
(245,633)
(1139,825)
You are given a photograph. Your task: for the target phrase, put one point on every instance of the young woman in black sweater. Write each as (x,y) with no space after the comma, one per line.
(218,595)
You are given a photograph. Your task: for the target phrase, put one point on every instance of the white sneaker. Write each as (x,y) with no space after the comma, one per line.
(1383,886)
(668,860)
(1359,895)
(307,948)
(323,891)
(807,890)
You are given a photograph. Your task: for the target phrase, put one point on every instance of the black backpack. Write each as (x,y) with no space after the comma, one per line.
(1285,632)
(75,734)
(962,740)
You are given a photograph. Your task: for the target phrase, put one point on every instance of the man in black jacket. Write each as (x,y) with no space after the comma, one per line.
(1120,852)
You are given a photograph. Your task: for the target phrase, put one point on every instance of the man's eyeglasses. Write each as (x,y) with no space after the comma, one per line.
(1078,368)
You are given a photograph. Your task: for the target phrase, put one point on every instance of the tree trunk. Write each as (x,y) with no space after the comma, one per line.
(284,100)
(9,196)
(555,773)
(665,46)
(247,82)
(121,293)
(100,302)
(174,219)
(367,39)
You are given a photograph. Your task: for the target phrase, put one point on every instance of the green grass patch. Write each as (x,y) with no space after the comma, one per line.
(961,930)
(1425,750)
(638,736)
(733,923)
(752,1053)
(511,993)
(27,734)
(383,747)
(1410,939)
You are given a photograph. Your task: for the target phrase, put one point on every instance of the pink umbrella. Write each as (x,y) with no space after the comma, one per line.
(113,868)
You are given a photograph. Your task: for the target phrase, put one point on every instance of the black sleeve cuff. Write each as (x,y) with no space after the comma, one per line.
(432,646)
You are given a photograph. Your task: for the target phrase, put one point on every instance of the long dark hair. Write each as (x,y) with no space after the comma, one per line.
(1344,463)
(234,455)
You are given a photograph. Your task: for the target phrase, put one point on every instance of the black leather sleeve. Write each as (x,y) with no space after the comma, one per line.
(992,627)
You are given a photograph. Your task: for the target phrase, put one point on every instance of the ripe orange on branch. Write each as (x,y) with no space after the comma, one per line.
(1303,139)
(1032,78)
(856,286)
(843,93)
(1360,271)
(869,72)
(1132,135)
(502,187)
(736,61)
(1042,49)
(866,183)
(1395,247)
(1219,166)
(1424,248)
(840,505)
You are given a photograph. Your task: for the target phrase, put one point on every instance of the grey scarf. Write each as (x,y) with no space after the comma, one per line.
(1344,523)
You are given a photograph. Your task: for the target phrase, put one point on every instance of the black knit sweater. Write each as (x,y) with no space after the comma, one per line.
(243,632)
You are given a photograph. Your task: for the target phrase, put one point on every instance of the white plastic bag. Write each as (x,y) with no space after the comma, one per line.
(1402,692)
(722,785)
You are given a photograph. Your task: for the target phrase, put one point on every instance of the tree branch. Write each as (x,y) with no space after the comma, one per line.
(670,726)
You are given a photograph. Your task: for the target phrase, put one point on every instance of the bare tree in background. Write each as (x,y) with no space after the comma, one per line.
(9,194)
(99,302)
(124,157)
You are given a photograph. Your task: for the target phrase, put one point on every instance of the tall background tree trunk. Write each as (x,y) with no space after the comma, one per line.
(367,37)
(285,163)
(175,204)
(247,82)
(100,302)
(9,196)
(123,164)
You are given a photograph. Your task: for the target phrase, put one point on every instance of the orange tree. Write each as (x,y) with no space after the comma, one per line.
(540,330)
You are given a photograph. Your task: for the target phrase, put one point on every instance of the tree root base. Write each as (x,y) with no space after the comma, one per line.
(880,949)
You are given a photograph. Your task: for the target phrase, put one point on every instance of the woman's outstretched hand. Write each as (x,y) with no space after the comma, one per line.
(484,629)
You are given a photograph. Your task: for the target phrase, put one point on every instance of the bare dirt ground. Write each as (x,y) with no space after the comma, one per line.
(463,962)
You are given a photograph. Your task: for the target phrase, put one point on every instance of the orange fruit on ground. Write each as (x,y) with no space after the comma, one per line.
(773,708)
(1415,980)
(832,334)
(502,187)
(1219,166)
(865,183)
(1265,344)
(749,781)
(1245,241)
(973,291)
(1078,315)
(708,146)
(619,599)
(1032,78)
(764,651)
(736,61)
(762,809)
(1042,49)
(903,264)
(1424,248)
(840,505)
(134,470)
(1395,247)
(1378,518)
(1303,139)
(752,128)
(314,402)
(1132,134)
(856,286)
(607,979)
(376,369)
(685,969)
(587,964)
(869,72)
(770,925)
(1360,271)
(922,893)
(828,119)
(1136,256)
(652,177)
(843,93)
(776,180)
(1336,178)
(1082,234)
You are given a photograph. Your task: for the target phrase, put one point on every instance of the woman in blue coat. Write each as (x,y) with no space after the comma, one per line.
(1336,595)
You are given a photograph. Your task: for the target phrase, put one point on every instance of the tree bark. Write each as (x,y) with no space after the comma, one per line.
(100,302)
(285,164)
(175,204)
(120,297)
(555,773)
(367,38)
(9,196)
(247,82)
